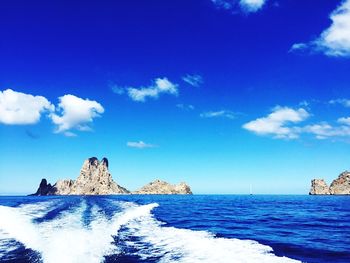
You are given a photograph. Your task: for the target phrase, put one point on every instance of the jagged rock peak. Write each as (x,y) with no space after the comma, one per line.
(93,161)
(44,188)
(341,185)
(104,161)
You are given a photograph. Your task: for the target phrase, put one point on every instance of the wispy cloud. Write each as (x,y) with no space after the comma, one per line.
(74,113)
(193,80)
(247,6)
(185,107)
(160,86)
(335,40)
(218,114)
(276,123)
(118,90)
(140,145)
(17,108)
(251,6)
(344,102)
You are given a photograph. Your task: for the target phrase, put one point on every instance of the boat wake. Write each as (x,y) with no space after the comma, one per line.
(85,232)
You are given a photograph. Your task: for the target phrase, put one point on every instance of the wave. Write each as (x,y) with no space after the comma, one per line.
(172,244)
(66,238)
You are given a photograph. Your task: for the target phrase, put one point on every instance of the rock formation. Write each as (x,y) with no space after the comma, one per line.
(340,186)
(44,188)
(319,187)
(95,179)
(161,187)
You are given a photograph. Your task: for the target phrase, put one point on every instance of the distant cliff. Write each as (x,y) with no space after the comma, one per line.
(340,186)
(161,187)
(95,179)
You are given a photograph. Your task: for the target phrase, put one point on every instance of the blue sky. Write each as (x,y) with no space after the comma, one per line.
(220,94)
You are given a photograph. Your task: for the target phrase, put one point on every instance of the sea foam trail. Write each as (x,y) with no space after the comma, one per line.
(186,246)
(15,222)
(66,238)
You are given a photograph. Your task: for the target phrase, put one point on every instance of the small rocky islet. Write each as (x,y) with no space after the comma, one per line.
(339,186)
(95,179)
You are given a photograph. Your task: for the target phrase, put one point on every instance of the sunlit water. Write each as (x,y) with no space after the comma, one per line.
(183,229)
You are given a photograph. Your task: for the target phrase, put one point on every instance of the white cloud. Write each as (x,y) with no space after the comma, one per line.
(251,5)
(325,130)
(298,46)
(344,120)
(140,145)
(281,124)
(75,113)
(161,85)
(218,114)
(335,40)
(248,6)
(185,106)
(276,123)
(344,102)
(193,80)
(17,108)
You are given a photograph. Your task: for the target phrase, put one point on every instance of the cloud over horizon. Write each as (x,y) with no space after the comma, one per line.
(335,40)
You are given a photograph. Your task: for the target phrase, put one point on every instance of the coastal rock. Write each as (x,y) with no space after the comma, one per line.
(44,188)
(319,187)
(341,185)
(161,187)
(94,179)
(63,187)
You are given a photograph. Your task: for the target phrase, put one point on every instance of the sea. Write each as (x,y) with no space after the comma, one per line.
(175,228)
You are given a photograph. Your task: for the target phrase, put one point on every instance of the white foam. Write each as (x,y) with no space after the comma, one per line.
(187,246)
(66,238)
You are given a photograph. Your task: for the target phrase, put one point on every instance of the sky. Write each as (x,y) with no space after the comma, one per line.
(219,94)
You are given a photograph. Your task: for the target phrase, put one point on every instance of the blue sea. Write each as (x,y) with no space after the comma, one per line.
(175,228)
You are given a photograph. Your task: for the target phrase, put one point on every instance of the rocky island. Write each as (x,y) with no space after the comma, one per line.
(161,187)
(339,186)
(95,179)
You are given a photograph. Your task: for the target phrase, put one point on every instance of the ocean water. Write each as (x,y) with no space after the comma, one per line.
(185,229)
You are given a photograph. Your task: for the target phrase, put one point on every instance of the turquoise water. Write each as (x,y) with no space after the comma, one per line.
(198,228)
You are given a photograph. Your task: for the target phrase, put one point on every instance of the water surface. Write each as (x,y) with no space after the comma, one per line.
(175,228)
